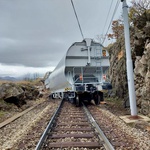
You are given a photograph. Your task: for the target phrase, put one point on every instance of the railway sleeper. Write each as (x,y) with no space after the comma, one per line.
(75,145)
(74,124)
(74,129)
(75,135)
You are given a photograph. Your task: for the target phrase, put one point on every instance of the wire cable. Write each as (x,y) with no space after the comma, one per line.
(77,19)
(116,7)
(107,16)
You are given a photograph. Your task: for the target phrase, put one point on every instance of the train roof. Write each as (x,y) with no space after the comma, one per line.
(93,43)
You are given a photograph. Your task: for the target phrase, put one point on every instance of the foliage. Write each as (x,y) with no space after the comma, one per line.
(117,28)
(138,12)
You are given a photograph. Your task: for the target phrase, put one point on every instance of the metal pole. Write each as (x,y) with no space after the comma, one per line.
(130,77)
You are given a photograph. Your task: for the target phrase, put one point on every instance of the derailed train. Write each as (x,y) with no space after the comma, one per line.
(80,74)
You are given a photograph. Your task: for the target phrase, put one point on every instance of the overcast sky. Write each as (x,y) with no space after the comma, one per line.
(35,34)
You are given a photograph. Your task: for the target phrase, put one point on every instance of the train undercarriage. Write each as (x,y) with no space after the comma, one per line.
(77,97)
(97,96)
(81,95)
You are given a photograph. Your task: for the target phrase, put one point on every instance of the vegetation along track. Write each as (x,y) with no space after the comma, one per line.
(73,128)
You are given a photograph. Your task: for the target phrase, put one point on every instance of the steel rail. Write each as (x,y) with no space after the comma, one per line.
(106,144)
(44,135)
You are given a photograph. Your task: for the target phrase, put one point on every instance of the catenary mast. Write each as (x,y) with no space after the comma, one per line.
(129,62)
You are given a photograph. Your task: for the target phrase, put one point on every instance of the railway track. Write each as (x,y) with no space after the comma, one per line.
(73,127)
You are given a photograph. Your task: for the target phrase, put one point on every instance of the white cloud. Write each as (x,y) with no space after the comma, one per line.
(17,71)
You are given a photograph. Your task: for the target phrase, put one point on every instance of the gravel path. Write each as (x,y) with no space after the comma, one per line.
(14,134)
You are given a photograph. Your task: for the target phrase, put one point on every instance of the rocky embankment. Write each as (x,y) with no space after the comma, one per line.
(17,94)
(140,49)
(16,97)
(142,81)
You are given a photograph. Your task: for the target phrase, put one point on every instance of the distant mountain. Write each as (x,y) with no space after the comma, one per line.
(24,77)
(8,78)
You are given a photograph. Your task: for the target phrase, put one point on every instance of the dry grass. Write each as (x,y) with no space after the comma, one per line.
(2,81)
(33,82)
(1,113)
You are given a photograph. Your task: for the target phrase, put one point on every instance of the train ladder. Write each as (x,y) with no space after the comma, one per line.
(98,60)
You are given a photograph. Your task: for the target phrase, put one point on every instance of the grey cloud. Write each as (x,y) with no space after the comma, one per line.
(37,33)
(33,53)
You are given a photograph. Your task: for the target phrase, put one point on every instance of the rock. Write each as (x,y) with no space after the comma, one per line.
(138,92)
(147,30)
(147,77)
(140,68)
(148,47)
(143,60)
(145,108)
(9,89)
(12,93)
(15,100)
(30,92)
(138,57)
(18,94)
(139,100)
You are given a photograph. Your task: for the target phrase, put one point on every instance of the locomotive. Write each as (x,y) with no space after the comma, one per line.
(80,74)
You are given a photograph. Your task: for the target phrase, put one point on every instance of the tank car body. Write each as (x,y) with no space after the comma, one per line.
(79,74)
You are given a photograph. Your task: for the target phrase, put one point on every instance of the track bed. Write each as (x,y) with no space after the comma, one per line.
(72,128)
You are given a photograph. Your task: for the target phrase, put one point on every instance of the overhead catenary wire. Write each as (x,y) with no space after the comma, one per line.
(107,16)
(116,7)
(77,19)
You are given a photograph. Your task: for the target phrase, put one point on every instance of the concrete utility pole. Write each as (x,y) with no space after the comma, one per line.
(131,87)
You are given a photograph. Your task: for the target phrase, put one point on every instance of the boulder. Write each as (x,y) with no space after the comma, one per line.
(143,60)
(10,89)
(145,109)
(12,93)
(140,68)
(18,94)
(30,92)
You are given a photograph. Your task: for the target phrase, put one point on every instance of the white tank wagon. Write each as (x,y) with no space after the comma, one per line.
(79,74)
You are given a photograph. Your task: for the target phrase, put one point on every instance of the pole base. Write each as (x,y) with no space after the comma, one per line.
(134,117)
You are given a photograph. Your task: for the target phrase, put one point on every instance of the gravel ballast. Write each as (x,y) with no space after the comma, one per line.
(14,134)
(25,132)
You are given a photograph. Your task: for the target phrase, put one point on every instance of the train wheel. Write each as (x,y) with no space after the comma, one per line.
(53,96)
(71,100)
(77,101)
(97,99)
(61,95)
